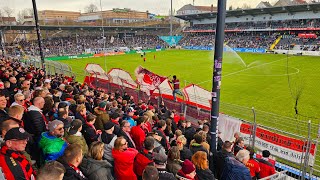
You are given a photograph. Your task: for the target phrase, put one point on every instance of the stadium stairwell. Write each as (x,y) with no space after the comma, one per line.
(275,42)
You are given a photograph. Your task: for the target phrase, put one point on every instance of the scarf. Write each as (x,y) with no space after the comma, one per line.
(77,170)
(22,160)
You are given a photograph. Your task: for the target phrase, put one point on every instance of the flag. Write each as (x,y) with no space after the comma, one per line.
(111,39)
(148,80)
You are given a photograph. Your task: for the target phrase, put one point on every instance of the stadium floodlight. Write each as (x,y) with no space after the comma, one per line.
(217,70)
(35,12)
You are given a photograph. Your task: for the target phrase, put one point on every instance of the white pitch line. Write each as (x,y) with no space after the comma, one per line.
(253,67)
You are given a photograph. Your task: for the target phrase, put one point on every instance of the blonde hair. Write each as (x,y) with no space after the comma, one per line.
(96,150)
(80,107)
(17,109)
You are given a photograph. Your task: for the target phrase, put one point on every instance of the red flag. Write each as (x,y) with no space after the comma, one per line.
(148,80)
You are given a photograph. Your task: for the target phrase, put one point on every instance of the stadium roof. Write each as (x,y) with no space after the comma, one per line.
(253,12)
(55,27)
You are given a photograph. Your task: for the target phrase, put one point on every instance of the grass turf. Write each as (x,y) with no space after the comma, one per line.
(262,82)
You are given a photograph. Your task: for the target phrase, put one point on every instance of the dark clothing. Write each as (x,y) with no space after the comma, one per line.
(106,138)
(189,133)
(3,115)
(123,134)
(219,162)
(173,166)
(185,153)
(34,122)
(205,174)
(71,174)
(234,169)
(237,148)
(89,133)
(96,169)
(165,175)
(195,147)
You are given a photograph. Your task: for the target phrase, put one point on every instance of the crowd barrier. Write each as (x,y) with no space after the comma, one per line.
(295,150)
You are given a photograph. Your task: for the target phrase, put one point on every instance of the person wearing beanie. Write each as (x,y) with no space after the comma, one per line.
(102,115)
(51,142)
(75,135)
(188,170)
(108,138)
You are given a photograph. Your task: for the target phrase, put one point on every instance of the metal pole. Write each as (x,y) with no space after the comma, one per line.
(171,19)
(306,157)
(315,151)
(217,68)
(35,12)
(2,43)
(254,127)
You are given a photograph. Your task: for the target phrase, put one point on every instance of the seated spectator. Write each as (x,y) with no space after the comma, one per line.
(188,171)
(3,107)
(174,162)
(51,142)
(89,131)
(51,171)
(93,166)
(189,132)
(11,156)
(253,165)
(19,100)
(71,160)
(235,168)
(150,173)
(266,167)
(5,127)
(185,153)
(199,159)
(75,135)
(102,115)
(123,160)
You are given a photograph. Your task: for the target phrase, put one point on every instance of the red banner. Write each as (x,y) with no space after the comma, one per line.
(148,80)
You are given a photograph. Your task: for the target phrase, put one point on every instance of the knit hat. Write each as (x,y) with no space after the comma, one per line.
(108,125)
(188,167)
(16,133)
(102,104)
(75,125)
(54,124)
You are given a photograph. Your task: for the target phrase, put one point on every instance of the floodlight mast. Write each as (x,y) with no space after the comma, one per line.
(36,19)
(217,71)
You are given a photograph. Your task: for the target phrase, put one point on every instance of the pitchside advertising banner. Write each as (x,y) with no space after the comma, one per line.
(171,40)
(291,149)
(253,50)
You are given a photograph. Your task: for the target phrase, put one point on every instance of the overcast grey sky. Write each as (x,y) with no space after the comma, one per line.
(154,6)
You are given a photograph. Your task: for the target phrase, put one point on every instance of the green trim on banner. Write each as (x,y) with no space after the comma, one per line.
(57,58)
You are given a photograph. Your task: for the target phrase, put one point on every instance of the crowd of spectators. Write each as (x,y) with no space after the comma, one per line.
(301,23)
(73,45)
(54,128)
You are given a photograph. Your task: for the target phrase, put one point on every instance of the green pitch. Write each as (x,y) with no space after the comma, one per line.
(260,81)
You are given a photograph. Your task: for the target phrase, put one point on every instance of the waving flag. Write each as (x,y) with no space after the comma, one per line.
(147,80)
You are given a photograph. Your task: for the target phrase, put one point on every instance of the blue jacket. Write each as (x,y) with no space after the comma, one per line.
(235,170)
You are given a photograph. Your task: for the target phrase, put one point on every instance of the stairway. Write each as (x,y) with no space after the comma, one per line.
(275,43)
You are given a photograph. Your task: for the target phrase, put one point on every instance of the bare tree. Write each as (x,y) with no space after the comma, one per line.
(28,12)
(91,8)
(8,11)
(246,6)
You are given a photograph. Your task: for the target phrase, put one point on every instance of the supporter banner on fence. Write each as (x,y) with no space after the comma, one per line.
(148,80)
(171,40)
(57,58)
(197,96)
(252,50)
(288,148)
(122,78)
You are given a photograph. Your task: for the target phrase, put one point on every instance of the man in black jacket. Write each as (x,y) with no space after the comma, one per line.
(219,158)
(125,132)
(34,121)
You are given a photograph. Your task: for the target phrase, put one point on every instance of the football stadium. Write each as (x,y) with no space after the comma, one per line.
(206,90)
